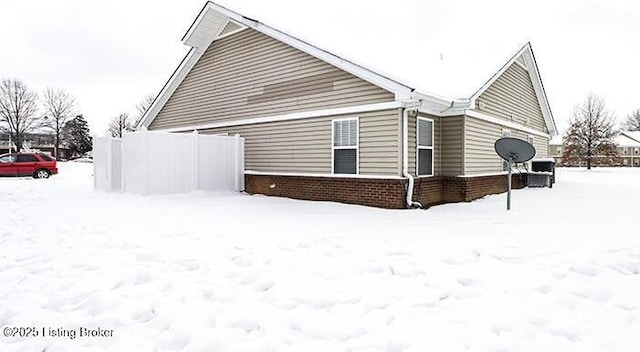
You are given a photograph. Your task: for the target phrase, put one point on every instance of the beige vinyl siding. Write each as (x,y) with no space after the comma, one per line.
(540,143)
(378,143)
(451,145)
(480,155)
(513,98)
(304,146)
(248,74)
(542,146)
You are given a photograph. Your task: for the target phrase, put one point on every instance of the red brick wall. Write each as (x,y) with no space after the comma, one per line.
(477,187)
(383,193)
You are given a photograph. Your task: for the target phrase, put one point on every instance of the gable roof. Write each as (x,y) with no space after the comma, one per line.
(635,135)
(623,140)
(412,83)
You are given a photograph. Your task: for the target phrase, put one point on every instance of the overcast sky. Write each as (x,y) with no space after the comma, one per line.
(111,53)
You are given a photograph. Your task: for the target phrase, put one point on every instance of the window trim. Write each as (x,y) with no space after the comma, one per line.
(418,147)
(356,147)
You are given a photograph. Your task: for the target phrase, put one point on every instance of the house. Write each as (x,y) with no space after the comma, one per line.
(320,127)
(37,142)
(629,148)
(556,150)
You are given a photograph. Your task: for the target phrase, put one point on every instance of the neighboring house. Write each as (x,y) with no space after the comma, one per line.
(629,148)
(320,127)
(38,142)
(556,149)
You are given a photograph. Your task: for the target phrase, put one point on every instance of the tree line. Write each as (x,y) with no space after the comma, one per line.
(23,112)
(592,131)
(122,123)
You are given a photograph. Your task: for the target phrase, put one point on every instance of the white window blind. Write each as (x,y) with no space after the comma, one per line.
(425,147)
(345,146)
(345,133)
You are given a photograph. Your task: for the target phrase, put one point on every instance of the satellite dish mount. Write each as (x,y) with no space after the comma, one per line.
(513,150)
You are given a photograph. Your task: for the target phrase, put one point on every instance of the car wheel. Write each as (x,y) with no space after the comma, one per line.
(42,173)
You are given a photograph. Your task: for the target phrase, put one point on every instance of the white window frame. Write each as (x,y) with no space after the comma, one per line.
(418,147)
(503,134)
(625,150)
(530,139)
(357,146)
(636,150)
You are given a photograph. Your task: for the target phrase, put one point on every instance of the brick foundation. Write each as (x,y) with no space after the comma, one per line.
(382,193)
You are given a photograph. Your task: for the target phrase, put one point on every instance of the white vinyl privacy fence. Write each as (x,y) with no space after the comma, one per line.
(149,162)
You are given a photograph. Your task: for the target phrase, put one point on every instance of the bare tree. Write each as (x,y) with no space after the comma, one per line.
(591,133)
(142,108)
(18,108)
(632,123)
(119,125)
(59,108)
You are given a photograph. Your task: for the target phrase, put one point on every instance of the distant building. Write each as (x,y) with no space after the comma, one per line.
(628,147)
(556,149)
(38,142)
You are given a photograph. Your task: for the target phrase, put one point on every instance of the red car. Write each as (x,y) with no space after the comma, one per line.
(37,165)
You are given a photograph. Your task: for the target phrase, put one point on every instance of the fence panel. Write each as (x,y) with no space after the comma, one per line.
(107,174)
(161,163)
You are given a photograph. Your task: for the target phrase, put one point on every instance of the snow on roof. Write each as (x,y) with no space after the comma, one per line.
(557,140)
(632,134)
(624,141)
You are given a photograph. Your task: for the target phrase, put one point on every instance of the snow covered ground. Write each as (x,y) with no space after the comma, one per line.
(232,272)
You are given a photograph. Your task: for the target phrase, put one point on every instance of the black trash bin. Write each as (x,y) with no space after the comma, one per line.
(544,167)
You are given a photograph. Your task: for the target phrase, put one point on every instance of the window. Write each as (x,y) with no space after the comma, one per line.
(45,157)
(425,147)
(636,151)
(505,164)
(625,150)
(625,162)
(559,150)
(345,146)
(27,158)
(7,159)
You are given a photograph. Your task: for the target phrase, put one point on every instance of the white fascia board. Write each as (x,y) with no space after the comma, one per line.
(534,74)
(172,84)
(293,116)
(186,38)
(508,124)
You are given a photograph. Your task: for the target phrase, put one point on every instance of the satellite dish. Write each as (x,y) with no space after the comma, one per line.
(513,150)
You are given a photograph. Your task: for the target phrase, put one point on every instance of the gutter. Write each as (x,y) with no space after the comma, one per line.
(405,157)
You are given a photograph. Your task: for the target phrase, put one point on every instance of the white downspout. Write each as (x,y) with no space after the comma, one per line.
(405,158)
